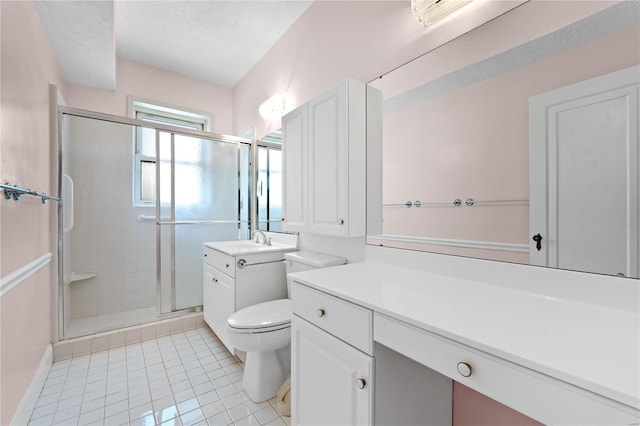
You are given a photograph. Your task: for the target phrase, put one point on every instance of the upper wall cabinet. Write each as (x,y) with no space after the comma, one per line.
(324,163)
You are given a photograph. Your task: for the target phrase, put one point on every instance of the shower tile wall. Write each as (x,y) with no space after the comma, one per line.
(107,239)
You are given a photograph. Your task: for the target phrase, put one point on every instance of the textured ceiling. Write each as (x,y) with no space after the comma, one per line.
(216,41)
(82,36)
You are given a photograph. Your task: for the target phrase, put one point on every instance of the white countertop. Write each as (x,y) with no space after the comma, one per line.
(245,247)
(590,346)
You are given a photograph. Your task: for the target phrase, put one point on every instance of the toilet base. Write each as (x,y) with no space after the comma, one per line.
(263,375)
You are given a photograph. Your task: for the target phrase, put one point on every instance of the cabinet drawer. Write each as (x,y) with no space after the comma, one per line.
(539,396)
(343,319)
(220,261)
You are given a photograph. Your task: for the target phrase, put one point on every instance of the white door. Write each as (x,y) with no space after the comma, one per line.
(294,147)
(325,375)
(584,175)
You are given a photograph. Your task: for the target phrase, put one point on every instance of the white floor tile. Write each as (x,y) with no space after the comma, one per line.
(233,400)
(140,411)
(166,414)
(117,419)
(117,408)
(92,405)
(42,421)
(213,409)
(184,395)
(221,419)
(239,412)
(162,403)
(266,415)
(247,421)
(91,417)
(192,418)
(277,422)
(188,405)
(45,410)
(187,378)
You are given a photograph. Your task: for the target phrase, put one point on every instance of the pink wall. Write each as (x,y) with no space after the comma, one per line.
(329,42)
(471,408)
(153,84)
(28,66)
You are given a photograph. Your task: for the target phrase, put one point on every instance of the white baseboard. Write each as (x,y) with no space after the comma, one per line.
(30,398)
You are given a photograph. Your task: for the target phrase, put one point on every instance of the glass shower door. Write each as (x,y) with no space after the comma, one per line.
(202,186)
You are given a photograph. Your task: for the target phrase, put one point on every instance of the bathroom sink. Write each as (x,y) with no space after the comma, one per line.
(243,247)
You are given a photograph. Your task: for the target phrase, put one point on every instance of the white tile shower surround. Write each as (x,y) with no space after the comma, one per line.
(187,378)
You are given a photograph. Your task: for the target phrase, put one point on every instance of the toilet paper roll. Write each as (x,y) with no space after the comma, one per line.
(283,399)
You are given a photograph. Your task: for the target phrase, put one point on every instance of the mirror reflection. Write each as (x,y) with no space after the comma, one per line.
(268,186)
(517,141)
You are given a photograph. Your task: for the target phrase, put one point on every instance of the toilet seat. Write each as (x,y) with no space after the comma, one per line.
(262,318)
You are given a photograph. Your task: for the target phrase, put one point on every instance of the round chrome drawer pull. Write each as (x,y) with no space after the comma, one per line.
(464,369)
(320,312)
(341,221)
(361,383)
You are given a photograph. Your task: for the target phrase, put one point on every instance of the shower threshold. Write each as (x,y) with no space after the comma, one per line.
(85,326)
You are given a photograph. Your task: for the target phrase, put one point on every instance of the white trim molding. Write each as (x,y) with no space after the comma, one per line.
(16,277)
(30,398)
(479,245)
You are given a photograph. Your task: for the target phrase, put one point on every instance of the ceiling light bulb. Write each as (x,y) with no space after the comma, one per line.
(429,11)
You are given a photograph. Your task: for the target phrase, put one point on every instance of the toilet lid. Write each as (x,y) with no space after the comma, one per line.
(262,315)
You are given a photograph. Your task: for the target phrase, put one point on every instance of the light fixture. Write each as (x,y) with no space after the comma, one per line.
(273,108)
(429,11)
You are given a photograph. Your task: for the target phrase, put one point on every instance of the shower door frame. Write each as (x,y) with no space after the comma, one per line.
(173,222)
(158,127)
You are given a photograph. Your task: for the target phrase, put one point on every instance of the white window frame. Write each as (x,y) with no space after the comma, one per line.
(168,114)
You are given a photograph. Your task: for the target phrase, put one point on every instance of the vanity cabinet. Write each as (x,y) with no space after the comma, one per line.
(324,163)
(233,282)
(333,380)
(419,335)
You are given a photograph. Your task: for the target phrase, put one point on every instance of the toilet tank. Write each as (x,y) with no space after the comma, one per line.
(303,260)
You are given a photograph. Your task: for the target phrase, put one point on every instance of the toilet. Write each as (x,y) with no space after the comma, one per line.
(264,330)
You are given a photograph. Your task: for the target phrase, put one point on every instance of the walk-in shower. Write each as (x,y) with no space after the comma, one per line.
(139,199)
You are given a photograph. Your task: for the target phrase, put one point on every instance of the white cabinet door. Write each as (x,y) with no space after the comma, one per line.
(328,163)
(207,294)
(294,135)
(219,302)
(324,163)
(327,376)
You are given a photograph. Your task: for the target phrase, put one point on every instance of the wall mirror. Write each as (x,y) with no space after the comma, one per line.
(517,141)
(268,164)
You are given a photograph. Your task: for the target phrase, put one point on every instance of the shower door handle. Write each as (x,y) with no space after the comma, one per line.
(67,202)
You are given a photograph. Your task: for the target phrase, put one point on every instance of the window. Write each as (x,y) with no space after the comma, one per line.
(144,184)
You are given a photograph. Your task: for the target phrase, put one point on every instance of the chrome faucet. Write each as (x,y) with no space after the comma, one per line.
(266,241)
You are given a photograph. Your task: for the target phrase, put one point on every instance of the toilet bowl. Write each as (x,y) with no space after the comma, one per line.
(264,329)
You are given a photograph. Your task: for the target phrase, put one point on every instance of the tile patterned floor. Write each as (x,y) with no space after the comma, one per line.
(187,378)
